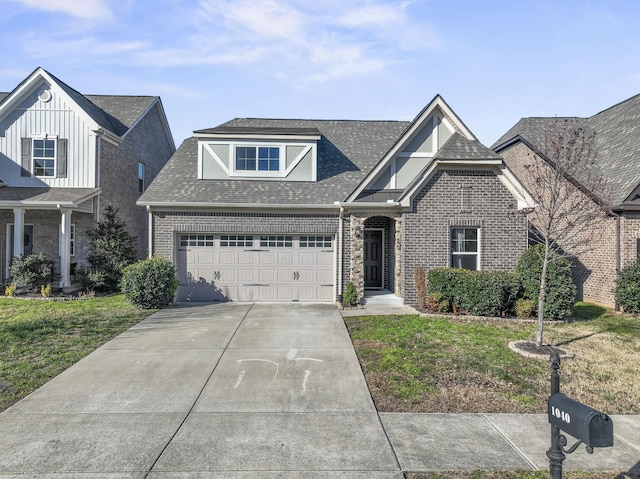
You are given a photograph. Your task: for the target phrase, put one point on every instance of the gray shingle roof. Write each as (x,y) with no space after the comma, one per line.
(115,113)
(617,140)
(40,195)
(248,130)
(458,147)
(347,151)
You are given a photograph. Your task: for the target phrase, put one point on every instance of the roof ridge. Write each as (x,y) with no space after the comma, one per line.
(616,105)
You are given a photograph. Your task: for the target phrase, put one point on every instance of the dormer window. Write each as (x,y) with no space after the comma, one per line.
(268,158)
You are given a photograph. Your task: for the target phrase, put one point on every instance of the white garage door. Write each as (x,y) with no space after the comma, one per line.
(215,267)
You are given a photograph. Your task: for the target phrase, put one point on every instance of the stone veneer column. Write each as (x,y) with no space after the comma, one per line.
(397,247)
(357,256)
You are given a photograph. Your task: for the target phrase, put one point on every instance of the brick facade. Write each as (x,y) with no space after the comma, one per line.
(593,267)
(440,206)
(146,143)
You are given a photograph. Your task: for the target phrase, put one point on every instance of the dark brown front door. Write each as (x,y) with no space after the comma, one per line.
(373,259)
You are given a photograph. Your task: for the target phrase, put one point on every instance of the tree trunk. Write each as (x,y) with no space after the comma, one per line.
(542,295)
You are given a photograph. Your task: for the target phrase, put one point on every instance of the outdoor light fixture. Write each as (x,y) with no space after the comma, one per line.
(358,232)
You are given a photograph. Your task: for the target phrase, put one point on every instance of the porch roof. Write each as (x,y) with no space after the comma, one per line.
(45,197)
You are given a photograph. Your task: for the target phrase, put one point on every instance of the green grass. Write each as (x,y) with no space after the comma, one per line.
(40,339)
(417,364)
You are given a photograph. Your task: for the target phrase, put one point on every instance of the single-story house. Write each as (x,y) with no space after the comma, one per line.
(293,210)
(617,144)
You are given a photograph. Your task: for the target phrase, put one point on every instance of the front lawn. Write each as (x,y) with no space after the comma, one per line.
(416,364)
(40,339)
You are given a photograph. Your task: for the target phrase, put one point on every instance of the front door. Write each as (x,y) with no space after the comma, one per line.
(373,258)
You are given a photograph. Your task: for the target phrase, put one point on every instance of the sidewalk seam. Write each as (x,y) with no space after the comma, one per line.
(146,475)
(511,443)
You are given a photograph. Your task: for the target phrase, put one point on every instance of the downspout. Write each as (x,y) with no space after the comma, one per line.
(150,231)
(340,243)
(616,304)
(98,166)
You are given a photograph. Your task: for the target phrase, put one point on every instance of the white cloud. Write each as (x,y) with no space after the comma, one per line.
(86,9)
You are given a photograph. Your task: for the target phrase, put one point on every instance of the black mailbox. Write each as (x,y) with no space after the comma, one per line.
(594,428)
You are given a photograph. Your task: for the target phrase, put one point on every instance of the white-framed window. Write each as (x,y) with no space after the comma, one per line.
(140,177)
(276,241)
(315,241)
(196,240)
(236,240)
(44,157)
(72,240)
(464,248)
(257,158)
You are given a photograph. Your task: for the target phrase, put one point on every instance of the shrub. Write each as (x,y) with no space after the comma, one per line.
(31,271)
(437,303)
(90,280)
(482,293)
(420,277)
(149,283)
(350,295)
(628,288)
(561,292)
(10,290)
(112,248)
(45,290)
(525,308)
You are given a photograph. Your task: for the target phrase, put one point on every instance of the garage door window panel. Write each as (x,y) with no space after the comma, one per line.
(315,242)
(276,241)
(236,240)
(196,240)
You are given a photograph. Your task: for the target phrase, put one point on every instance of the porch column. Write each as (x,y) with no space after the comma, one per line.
(357,254)
(65,248)
(18,232)
(399,258)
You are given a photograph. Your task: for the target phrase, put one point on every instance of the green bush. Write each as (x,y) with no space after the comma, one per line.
(32,271)
(350,295)
(437,303)
(112,248)
(150,283)
(481,293)
(628,288)
(561,292)
(525,308)
(90,280)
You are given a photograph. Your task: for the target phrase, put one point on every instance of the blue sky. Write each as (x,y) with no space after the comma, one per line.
(213,60)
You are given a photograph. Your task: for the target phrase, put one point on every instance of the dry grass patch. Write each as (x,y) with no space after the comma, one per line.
(415,364)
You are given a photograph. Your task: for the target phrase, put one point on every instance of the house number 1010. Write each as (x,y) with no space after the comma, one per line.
(564,416)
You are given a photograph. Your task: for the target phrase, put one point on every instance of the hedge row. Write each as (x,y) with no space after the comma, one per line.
(496,293)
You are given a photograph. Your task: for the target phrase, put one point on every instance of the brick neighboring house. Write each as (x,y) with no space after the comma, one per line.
(293,210)
(617,141)
(63,157)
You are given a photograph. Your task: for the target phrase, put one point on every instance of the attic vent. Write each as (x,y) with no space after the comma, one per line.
(44,95)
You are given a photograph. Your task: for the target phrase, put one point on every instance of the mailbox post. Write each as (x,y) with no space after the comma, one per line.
(591,427)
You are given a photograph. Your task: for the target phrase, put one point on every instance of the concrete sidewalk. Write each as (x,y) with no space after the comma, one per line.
(247,391)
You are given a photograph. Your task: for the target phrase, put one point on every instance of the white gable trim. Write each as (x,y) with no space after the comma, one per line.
(299,158)
(418,123)
(223,165)
(30,84)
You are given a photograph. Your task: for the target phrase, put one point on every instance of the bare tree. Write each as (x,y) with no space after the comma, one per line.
(572,198)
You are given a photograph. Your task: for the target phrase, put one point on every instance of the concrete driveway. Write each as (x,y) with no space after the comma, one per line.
(231,390)
(248,391)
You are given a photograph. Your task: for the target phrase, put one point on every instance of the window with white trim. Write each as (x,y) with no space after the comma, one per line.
(315,241)
(44,157)
(257,158)
(236,240)
(276,241)
(464,248)
(196,240)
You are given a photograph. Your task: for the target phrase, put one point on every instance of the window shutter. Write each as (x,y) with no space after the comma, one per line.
(61,158)
(26,157)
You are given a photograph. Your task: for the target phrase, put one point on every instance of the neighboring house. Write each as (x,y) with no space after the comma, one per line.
(293,210)
(617,142)
(64,157)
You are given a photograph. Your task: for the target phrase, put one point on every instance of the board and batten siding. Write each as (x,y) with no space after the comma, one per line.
(58,117)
